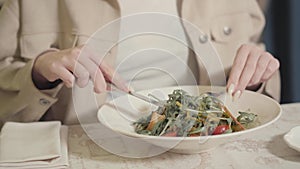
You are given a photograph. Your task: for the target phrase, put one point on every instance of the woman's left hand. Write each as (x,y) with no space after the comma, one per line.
(251,67)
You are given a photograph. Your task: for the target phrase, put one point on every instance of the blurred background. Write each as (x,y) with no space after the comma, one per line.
(281,36)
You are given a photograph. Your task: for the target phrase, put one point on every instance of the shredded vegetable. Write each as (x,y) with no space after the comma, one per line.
(210,118)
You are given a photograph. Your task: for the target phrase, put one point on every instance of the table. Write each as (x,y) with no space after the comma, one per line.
(263,149)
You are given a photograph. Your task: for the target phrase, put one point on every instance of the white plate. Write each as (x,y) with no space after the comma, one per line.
(292,138)
(120,113)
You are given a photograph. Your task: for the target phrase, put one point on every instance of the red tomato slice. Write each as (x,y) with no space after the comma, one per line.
(220,129)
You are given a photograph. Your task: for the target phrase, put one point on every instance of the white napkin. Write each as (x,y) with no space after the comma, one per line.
(33,145)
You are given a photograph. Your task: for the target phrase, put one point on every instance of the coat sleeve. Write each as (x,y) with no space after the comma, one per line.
(20,100)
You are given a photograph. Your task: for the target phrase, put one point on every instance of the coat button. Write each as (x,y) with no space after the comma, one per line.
(227,30)
(44,102)
(203,38)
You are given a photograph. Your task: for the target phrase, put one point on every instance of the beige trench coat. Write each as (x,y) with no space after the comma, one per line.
(30,27)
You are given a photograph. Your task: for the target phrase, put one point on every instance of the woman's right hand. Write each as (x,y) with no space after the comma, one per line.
(66,65)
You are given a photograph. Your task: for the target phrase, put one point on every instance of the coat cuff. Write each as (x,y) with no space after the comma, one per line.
(272,87)
(37,101)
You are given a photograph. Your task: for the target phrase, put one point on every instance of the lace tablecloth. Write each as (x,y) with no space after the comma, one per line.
(262,149)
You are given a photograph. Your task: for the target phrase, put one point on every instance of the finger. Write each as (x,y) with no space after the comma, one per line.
(99,81)
(105,71)
(108,71)
(92,69)
(69,60)
(112,76)
(248,70)
(238,66)
(81,74)
(271,69)
(261,67)
(95,74)
(65,75)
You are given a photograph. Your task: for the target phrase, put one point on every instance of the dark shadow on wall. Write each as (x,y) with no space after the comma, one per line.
(282,38)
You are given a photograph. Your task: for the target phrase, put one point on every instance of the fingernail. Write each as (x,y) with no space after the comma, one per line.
(96,90)
(80,83)
(125,88)
(131,88)
(100,88)
(231,89)
(68,83)
(71,82)
(237,95)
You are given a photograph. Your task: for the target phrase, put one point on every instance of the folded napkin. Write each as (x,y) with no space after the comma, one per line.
(33,145)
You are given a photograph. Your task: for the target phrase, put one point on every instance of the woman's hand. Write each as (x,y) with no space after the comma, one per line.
(66,65)
(251,67)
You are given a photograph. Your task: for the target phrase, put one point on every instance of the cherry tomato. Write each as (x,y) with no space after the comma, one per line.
(220,129)
(195,135)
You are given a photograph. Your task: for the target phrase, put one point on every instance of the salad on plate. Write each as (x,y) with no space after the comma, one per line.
(183,115)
